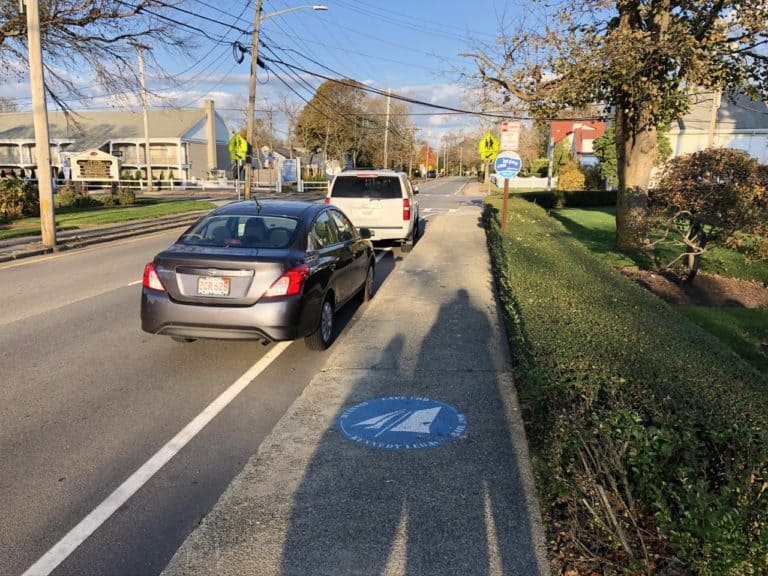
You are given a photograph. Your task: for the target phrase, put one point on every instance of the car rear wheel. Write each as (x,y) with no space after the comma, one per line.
(321,338)
(366,292)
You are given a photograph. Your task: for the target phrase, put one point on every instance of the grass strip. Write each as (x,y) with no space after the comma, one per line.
(649,435)
(77,218)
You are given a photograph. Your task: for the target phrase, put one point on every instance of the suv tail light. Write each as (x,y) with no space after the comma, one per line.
(289,283)
(151,279)
(406,209)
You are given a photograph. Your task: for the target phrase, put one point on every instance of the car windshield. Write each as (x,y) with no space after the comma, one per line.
(253,231)
(366,187)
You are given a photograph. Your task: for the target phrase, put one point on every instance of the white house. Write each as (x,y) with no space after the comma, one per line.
(724,121)
(187,143)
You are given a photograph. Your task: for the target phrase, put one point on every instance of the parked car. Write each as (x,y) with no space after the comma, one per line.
(259,271)
(384,201)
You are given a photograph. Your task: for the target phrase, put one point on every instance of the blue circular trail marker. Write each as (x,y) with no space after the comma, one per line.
(402,423)
(508,164)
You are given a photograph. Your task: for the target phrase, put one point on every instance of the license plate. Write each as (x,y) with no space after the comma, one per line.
(213,286)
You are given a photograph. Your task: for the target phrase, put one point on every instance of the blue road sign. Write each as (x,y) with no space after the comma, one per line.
(402,423)
(508,164)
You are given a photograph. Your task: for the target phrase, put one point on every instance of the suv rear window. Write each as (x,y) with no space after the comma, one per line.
(366,187)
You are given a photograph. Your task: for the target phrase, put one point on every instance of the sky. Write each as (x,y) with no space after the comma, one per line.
(409,46)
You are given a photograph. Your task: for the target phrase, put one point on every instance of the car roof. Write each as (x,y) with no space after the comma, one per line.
(291,209)
(356,171)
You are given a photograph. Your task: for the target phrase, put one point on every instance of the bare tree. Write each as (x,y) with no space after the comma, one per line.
(8,104)
(290,110)
(91,41)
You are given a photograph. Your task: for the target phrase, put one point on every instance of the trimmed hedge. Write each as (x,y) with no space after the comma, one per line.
(570,198)
(649,436)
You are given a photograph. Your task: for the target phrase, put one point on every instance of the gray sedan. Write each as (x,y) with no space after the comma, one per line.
(259,271)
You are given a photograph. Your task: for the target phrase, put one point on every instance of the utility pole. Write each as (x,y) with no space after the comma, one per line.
(147,156)
(40,120)
(386,131)
(445,157)
(252,96)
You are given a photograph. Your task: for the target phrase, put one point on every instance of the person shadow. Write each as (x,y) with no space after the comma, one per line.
(455,509)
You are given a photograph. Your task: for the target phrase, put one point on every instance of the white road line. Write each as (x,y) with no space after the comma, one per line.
(64,547)
(135,283)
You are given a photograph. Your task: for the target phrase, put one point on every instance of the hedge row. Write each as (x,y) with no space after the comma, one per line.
(570,199)
(649,436)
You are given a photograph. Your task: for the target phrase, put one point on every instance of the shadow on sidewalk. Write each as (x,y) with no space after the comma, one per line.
(455,509)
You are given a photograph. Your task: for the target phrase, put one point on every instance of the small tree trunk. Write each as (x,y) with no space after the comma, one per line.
(636,155)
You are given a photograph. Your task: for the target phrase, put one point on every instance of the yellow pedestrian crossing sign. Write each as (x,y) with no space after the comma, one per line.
(488,147)
(238,147)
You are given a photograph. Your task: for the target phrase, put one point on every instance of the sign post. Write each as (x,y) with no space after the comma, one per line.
(508,165)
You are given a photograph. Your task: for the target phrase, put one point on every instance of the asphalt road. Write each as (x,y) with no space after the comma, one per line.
(86,399)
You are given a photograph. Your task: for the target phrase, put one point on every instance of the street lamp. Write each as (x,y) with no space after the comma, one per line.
(257,19)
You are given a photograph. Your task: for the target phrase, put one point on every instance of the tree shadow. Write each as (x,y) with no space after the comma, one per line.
(456,509)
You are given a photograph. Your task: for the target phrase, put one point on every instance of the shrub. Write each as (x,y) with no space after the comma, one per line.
(571,177)
(71,196)
(649,436)
(126,197)
(18,198)
(706,198)
(570,198)
(540,168)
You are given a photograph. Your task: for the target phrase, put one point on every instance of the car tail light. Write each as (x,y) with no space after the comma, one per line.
(289,283)
(406,209)
(327,200)
(151,279)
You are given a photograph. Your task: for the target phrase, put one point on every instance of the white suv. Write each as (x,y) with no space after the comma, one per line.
(383,201)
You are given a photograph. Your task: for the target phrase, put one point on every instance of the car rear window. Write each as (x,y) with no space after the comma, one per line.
(366,187)
(242,231)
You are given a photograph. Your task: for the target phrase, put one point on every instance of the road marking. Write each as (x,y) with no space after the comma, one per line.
(69,543)
(135,283)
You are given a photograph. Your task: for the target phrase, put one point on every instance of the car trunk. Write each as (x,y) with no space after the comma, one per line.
(236,277)
(369,200)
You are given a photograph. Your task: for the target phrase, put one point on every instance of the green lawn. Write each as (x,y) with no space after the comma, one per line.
(596,228)
(744,330)
(77,218)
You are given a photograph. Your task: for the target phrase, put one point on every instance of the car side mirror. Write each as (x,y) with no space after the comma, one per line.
(365,233)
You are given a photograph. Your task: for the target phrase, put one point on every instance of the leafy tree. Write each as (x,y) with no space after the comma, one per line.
(708,197)
(97,37)
(643,57)
(561,155)
(334,120)
(605,150)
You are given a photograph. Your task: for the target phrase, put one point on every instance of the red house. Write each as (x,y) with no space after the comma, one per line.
(581,134)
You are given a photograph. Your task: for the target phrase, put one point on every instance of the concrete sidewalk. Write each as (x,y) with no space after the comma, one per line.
(312,502)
